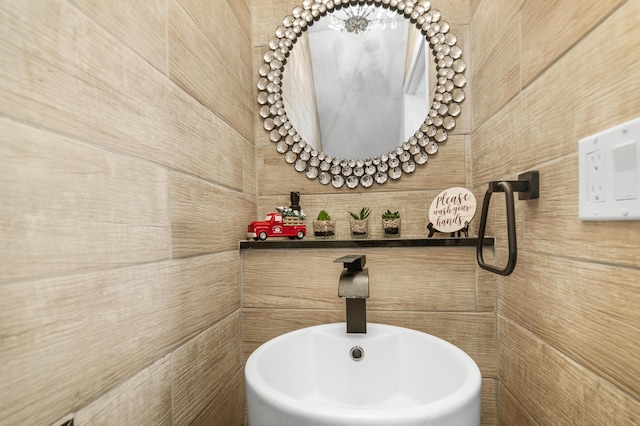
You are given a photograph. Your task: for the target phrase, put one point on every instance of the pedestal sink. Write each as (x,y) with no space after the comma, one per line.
(389,376)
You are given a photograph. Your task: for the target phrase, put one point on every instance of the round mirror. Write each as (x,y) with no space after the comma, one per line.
(345,87)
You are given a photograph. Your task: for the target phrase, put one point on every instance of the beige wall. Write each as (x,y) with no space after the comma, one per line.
(546,74)
(126,159)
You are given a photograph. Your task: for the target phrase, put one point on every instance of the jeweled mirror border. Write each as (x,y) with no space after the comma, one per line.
(338,172)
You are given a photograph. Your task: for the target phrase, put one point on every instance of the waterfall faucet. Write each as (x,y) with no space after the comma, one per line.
(354,287)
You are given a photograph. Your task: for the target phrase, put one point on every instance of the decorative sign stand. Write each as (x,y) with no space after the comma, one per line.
(451,211)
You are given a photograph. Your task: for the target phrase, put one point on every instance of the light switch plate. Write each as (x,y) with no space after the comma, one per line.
(609,174)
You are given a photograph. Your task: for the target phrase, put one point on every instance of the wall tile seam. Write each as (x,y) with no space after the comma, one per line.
(508,105)
(170,215)
(185,340)
(583,367)
(496,360)
(463,312)
(277,308)
(173,378)
(128,155)
(88,271)
(213,112)
(475,126)
(519,16)
(171,81)
(196,100)
(473,15)
(219,184)
(221,119)
(115,38)
(514,399)
(550,162)
(204,329)
(513,174)
(250,24)
(467,105)
(172,354)
(120,384)
(173,367)
(493,407)
(468,14)
(256,177)
(113,150)
(466,312)
(78,274)
(517,13)
(476,289)
(581,260)
(191,254)
(83,142)
(595,26)
(205,254)
(167,46)
(476,66)
(186,256)
(227,68)
(223,388)
(469,59)
(202,31)
(496,44)
(241,289)
(225,188)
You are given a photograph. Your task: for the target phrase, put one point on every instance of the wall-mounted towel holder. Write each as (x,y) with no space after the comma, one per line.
(527,186)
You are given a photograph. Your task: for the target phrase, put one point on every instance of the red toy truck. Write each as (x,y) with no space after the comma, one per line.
(277,225)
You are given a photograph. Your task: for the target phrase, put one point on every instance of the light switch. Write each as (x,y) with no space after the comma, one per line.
(609,175)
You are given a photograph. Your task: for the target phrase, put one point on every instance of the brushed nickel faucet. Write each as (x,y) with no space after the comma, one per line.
(354,287)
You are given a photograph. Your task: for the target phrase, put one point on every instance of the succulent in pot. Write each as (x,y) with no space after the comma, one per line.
(360,223)
(391,224)
(323,226)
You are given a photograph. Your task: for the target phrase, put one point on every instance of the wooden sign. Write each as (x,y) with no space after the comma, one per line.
(452,209)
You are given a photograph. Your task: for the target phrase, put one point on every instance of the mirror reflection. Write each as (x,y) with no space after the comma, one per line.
(355,82)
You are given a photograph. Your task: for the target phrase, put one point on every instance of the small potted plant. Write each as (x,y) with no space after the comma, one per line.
(324,227)
(360,223)
(391,224)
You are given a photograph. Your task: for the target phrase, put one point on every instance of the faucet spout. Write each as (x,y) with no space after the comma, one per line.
(356,315)
(354,287)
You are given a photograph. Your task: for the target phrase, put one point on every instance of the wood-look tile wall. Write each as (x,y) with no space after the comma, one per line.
(126,152)
(568,321)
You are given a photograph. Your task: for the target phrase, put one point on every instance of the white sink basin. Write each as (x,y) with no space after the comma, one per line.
(404,378)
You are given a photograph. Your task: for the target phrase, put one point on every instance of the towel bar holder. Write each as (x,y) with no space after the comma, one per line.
(528,188)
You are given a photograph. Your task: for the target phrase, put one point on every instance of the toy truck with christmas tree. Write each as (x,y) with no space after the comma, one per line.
(286,222)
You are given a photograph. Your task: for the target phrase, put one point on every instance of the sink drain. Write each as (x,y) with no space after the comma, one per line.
(357,353)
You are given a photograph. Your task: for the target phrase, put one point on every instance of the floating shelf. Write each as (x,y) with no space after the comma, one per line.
(365,243)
